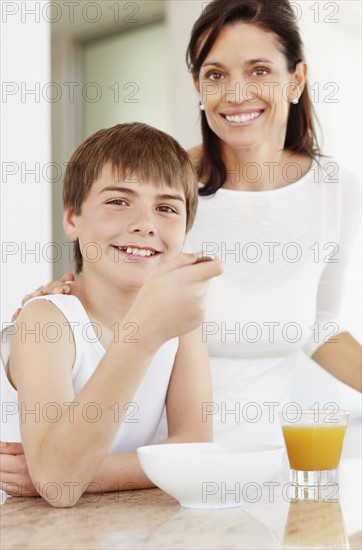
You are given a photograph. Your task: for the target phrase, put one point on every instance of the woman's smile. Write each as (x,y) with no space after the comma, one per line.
(242,117)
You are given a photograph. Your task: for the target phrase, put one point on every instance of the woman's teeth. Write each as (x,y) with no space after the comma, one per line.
(242,117)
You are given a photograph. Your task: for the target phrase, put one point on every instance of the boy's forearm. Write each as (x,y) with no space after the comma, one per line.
(119,472)
(122,472)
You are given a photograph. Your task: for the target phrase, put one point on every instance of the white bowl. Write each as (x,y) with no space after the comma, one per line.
(207,475)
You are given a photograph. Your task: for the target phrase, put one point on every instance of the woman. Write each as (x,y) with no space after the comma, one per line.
(280,216)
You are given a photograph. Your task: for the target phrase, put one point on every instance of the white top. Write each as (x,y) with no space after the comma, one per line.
(284,253)
(144,412)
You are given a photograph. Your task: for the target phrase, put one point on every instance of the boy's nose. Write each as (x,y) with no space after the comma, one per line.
(143,224)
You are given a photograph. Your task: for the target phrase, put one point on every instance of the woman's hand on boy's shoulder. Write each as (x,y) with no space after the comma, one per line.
(173,301)
(54,287)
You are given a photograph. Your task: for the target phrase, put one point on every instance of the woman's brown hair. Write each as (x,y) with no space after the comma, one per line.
(275,16)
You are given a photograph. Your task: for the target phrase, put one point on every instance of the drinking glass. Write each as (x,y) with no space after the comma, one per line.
(314,441)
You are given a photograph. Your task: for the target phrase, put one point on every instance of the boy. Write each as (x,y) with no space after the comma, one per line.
(128,335)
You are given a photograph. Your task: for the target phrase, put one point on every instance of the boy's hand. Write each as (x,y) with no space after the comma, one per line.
(14,474)
(173,301)
(54,287)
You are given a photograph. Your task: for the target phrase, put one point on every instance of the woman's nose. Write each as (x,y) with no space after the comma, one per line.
(231,92)
(238,89)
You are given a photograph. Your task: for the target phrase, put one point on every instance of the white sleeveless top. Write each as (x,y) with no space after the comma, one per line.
(144,412)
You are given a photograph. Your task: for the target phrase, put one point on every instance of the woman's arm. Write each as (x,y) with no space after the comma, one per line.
(342,357)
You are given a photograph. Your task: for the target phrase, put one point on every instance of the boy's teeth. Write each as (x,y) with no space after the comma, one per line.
(139,252)
(242,118)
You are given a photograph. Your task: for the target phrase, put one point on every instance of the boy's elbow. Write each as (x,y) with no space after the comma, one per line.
(59,495)
(62,503)
(57,492)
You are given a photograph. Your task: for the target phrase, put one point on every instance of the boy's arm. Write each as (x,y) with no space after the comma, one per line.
(118,472)
(189,389)
(68,452)
(63,456)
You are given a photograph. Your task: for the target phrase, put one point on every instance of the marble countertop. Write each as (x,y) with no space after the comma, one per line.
(151,519)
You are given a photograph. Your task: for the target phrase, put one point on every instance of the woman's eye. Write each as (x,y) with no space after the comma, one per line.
(214,76)
(167,209)
(118,202)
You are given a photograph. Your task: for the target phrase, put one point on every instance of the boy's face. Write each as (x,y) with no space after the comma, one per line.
(127,229)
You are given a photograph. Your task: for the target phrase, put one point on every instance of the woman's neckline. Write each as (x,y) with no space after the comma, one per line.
(283,189)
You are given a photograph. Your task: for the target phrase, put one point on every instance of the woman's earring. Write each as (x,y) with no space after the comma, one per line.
(295,101)
(202,108)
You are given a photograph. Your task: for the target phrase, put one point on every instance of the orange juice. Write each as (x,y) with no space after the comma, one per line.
(314,447)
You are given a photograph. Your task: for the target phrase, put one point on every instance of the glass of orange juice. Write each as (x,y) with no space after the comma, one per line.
(314,440)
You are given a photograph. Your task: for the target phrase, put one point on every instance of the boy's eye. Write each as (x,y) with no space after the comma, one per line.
(118,202)
(260,71)
(167,208)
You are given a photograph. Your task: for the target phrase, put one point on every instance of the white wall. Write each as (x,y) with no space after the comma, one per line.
(181,15)
(26,198)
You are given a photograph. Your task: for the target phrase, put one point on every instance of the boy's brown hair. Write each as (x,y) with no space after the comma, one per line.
(133,150)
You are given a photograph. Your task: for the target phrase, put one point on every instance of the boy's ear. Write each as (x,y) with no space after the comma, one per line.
(69,224)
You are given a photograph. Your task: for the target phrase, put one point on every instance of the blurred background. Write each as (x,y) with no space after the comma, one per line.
(70,68)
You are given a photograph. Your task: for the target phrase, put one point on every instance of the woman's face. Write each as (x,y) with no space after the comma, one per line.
(246,88)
